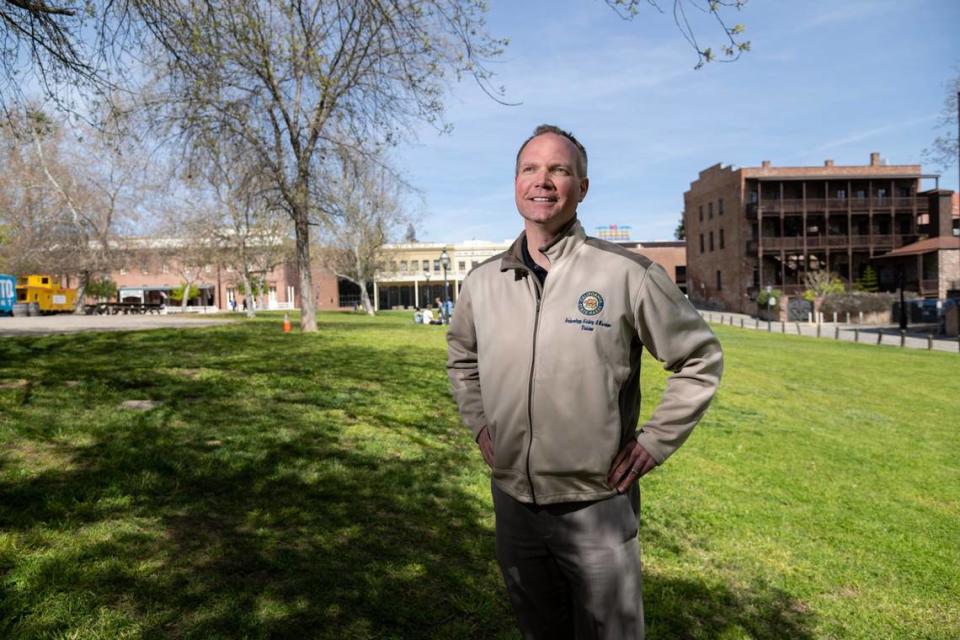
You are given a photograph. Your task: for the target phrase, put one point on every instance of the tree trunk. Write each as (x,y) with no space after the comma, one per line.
(81,291)
(308,309)
(365,299)
(251,312)
(185,297)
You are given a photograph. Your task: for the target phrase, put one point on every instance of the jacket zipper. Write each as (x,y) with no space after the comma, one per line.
(533,365)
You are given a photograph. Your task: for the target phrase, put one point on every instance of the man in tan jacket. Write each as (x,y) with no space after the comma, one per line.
(544,359)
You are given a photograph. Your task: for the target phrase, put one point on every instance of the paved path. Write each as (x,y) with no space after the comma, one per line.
(888,335)
(48,325)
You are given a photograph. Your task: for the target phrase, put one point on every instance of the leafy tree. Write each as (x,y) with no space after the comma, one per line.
(176,294)
(764,298)
(101,288)
(680,233)
(820,284)
(363,207)
(288,85)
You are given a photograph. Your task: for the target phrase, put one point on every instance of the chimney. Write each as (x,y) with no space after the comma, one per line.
(874,159)
(765,164)
(828,163)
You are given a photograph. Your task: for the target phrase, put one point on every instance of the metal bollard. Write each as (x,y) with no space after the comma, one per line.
(756,325)
(929,342)
(741,323)
(798,327)
(856,334)
(836,333)
(903,338)
(818,329)
(783,327)
(879,337)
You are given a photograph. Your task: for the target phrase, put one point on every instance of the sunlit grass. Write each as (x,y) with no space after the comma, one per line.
(321,486)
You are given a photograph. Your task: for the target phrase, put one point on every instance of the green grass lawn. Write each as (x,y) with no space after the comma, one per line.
(292,486)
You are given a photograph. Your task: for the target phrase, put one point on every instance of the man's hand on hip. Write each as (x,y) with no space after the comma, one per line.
(632,462)
(485,442)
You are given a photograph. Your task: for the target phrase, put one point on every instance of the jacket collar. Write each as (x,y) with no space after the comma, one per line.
(565,243)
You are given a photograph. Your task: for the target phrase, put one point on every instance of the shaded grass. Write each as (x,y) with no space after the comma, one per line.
(320,486)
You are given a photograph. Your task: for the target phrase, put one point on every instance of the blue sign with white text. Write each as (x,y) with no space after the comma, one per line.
(8,293)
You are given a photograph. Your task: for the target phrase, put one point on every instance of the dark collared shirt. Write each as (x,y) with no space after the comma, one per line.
(537,270)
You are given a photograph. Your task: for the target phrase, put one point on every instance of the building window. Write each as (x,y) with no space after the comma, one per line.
(207,268)
(680,273)
(711,241)
(436,266)
(461,266)
(719,281)
(841,194)
(720,207)
(710,210)
(165,268)
(473,264)
(881,194)
(754,197)
(721,238)
(426,266)
(403,266)
(123,271)
(904,192)
(701,243)
(861,194)
(701,213)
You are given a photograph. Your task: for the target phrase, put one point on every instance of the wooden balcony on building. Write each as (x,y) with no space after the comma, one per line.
(794,243)
(837,205)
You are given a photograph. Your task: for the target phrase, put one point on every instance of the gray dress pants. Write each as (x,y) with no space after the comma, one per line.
(572,570)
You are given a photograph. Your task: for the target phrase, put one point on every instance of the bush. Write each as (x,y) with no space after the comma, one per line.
(856,301)
(765,296)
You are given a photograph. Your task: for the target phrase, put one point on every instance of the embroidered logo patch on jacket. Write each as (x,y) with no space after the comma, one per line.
(591,303)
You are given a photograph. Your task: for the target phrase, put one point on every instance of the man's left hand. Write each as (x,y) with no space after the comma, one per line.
(632,462)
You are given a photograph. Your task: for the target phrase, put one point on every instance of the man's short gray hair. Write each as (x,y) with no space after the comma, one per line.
(550,128)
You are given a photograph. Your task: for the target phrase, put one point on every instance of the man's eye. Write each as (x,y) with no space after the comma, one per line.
(561,171)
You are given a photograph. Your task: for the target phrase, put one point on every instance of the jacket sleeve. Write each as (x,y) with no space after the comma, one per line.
(673,332)
(462,363)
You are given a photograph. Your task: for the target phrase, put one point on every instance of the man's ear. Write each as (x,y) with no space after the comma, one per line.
(584,185)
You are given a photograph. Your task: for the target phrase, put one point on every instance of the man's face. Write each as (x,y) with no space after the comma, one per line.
(547,187)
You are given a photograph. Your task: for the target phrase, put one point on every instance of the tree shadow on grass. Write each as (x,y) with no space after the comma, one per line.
(256,503)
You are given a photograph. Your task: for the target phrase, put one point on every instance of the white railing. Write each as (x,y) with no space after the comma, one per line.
(193,309)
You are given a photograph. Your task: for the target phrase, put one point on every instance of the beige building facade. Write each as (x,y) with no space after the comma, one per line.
(413,273)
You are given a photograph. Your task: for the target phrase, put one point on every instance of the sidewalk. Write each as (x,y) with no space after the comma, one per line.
(888,335)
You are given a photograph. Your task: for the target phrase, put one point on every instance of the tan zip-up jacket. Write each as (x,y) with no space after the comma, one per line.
(554,374)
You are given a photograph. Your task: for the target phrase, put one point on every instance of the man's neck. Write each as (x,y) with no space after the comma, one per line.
(539,235)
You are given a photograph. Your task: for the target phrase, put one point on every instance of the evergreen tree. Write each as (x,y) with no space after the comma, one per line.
(868,282)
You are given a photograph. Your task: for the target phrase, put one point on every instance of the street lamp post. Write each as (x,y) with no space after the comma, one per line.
(445,264)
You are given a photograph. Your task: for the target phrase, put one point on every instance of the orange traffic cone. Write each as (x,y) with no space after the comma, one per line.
(286,323)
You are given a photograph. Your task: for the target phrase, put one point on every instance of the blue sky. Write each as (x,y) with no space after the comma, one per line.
(825,79)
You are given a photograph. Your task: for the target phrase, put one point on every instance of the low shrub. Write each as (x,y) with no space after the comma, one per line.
(854,302)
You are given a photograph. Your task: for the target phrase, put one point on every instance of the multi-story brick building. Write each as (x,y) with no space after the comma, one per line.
(754,227)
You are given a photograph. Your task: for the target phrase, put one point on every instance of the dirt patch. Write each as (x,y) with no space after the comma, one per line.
(13,384)
(140,405)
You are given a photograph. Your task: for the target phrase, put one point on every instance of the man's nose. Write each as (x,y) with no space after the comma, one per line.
(543,180)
